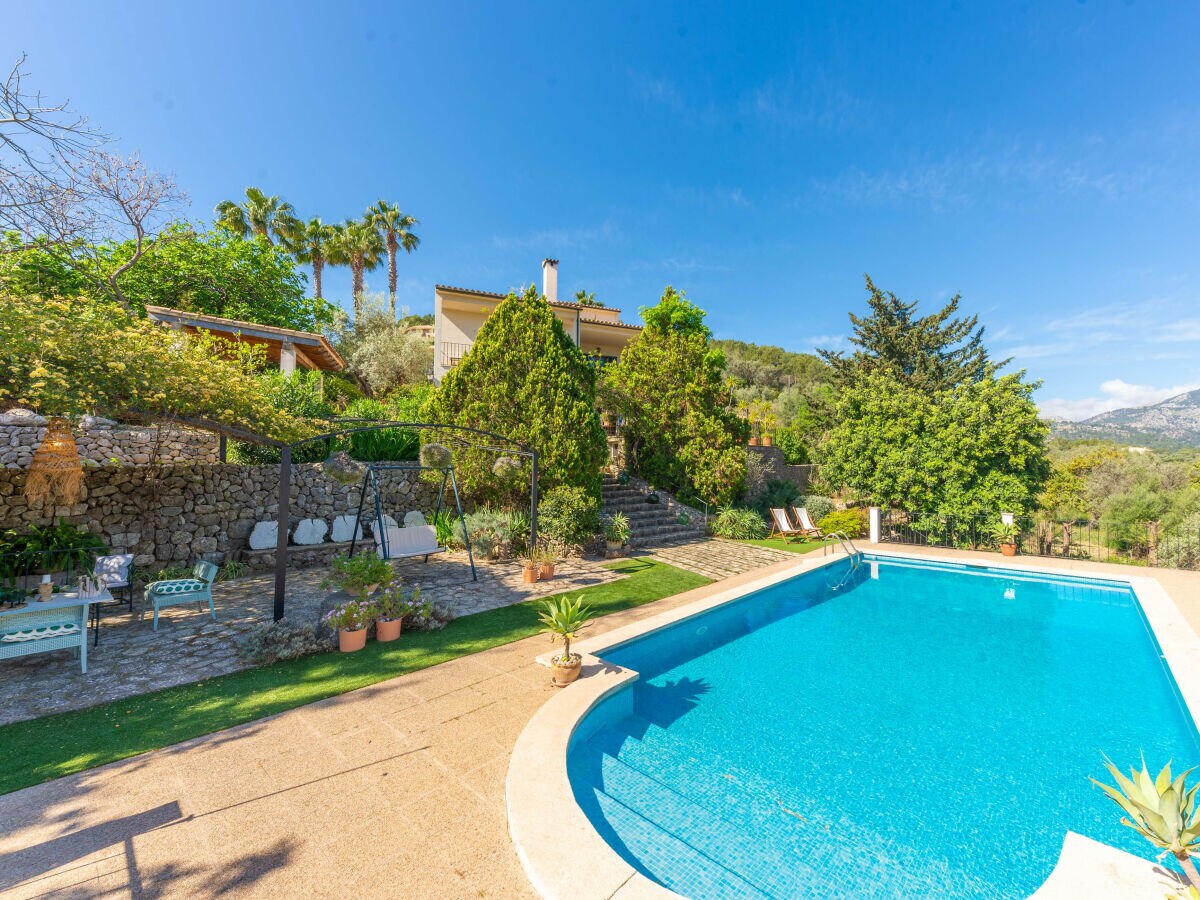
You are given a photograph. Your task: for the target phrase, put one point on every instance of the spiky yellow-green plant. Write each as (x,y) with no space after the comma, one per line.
(564,618)
(1162,810)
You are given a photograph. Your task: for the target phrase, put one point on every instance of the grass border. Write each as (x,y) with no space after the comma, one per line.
(39,750)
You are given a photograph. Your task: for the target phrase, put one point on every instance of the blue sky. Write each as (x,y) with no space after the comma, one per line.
(1041,159)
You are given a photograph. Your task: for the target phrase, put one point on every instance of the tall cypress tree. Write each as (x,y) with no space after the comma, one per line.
(525,378)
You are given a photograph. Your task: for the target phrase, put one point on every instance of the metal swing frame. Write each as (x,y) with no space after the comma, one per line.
(370,477)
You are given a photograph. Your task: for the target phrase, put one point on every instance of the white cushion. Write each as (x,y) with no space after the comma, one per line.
(409,541)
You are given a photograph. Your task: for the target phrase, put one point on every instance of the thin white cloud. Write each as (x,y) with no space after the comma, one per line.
(1115,394)
(550,240)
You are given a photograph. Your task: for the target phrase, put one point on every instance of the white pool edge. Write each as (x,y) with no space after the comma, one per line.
(565,858)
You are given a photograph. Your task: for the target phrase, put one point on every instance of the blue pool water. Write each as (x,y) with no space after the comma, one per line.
(920,731)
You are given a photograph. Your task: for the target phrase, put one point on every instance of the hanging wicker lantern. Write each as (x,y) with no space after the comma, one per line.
(55,470)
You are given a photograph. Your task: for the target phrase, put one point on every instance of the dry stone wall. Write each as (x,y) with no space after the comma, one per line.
(103,442)
(170,514)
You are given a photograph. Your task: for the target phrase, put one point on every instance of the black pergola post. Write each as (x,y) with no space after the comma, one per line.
(281,539)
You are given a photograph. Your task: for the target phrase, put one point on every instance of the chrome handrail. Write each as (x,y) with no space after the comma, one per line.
(843,541)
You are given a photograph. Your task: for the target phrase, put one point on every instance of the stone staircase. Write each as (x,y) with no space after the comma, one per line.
(652,524)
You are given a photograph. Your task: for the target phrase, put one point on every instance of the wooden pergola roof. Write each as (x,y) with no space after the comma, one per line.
(313,351)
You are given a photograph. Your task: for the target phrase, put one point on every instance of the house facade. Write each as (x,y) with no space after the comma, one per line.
(459,313)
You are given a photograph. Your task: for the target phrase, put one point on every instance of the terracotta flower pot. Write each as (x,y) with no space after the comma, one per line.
(564,675)
(387,629)
(1008,549)
(766,440)
(529,574)
(546,571)
(349,641)
(753,442)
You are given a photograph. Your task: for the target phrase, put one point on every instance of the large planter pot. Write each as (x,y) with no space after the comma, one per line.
(350,641)
(546,571)
(529,574)
(1008,549)
(614,548)
(766,440)
(753,442)
(563,675)
(387,629)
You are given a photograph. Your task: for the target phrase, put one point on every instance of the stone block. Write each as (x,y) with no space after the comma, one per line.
(310,531)
(264,536)
(345,528)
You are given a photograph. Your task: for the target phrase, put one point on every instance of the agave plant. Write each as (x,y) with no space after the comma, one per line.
(564,618)
(1162,810)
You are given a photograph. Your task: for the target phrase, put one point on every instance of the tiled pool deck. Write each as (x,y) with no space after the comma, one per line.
(396,790)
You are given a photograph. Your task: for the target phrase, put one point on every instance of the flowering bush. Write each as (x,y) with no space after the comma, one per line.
(268,643)
(353,615)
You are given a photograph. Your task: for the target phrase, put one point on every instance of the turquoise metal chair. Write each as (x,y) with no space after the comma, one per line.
(196,589)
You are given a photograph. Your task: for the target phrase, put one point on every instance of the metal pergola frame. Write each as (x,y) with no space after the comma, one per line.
(354,426)
(371,476)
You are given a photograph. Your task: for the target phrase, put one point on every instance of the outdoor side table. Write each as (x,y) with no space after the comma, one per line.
(58,624)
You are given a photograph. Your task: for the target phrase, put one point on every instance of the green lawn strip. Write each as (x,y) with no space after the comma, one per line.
(43,749)
(802,546)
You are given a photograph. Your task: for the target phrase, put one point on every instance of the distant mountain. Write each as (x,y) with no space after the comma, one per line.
(1175,422)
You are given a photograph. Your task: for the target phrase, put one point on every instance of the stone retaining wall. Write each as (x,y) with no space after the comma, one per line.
(174,514)
(106,443)
(774,464)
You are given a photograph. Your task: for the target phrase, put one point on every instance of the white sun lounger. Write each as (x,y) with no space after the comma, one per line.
(783,526)
(806,524)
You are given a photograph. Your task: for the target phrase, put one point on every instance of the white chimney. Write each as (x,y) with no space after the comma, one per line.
(550,279)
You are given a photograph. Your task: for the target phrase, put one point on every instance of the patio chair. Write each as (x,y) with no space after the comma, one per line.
(116,573)
(806,523)
(783,526)
(197,589)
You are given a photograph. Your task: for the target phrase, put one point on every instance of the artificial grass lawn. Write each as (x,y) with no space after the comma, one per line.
(801,546)
(39,750)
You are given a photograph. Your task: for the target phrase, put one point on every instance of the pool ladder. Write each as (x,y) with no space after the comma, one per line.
(855,555)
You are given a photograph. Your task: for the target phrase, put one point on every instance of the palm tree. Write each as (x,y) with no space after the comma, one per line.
(394,225)
(311,244)
(260,215)
(583,298)
(358,245)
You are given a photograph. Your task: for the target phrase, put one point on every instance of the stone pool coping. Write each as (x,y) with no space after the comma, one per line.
(564,856)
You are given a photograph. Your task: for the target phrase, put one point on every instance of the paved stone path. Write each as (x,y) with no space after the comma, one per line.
(132,659)
(715,558)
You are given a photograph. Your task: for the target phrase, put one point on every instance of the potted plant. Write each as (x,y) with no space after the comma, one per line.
(391,606)
(358,576)
(529,574)
(617,532)
(351,620)
(1007,534)
(564,618)
(546,559)
(652,496)
(623,477)
(769,421)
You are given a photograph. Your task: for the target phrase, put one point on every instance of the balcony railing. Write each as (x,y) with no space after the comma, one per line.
(452,354)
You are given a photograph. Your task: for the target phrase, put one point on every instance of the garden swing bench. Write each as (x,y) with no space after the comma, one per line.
(395,542)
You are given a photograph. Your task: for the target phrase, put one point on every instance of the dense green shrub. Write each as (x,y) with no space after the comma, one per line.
(385,445)
(569,514)
(851,521)
(1180,547)
(777,495)
(302,395)
(738,524)
(791,441)
(524,378)
(495,533)
(818,507)
(669,385)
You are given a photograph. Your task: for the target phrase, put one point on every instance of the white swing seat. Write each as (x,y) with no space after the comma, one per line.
(392,542)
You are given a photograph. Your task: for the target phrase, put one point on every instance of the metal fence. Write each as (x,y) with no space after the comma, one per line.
(1144,544)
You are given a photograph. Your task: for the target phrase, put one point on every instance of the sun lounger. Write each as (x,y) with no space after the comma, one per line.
(807,528)
(782,526)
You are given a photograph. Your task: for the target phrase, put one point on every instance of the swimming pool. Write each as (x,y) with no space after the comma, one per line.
(914,729)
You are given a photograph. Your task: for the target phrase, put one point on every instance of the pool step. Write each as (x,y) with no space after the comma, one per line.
(732,815)
(736,850)
(669,859)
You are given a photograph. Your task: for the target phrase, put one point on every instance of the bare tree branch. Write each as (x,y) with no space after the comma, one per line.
(42,179)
